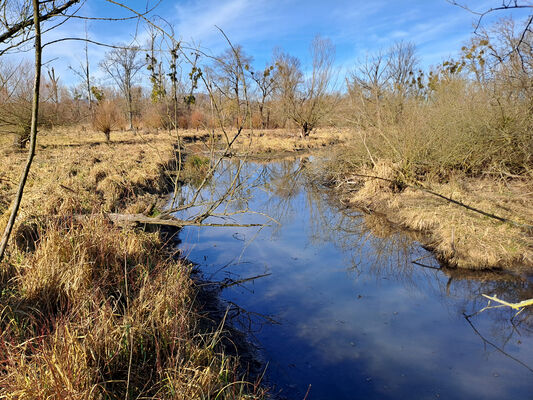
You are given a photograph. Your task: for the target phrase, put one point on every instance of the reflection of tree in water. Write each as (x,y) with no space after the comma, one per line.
(507,327)
(283,182)
(377,247)
(373,245)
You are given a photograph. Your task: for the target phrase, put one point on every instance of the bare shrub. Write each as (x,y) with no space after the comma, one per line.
(107,117)
(471,115)
(16,88)
(197,119)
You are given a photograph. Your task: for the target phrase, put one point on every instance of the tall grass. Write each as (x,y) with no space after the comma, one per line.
(94,311)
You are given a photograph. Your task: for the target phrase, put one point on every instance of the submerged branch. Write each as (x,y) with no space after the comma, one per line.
(495,346)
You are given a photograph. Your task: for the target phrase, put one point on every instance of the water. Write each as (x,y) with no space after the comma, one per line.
(341,311)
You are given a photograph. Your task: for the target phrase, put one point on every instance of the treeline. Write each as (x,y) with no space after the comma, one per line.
(164,86)
(473,112)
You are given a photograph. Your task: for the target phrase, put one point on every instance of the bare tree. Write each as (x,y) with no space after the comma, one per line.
(266,85)
(402,62)
(367,86)
(383,82)
(229,79)
(307,100)
(84,71)
(122,65)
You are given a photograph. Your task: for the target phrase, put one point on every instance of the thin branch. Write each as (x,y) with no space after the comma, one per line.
(17,28)
(494,345)
(33,135)
(429,191)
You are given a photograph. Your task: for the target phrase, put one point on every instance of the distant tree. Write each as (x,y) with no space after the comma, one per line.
(307,100)
(84,72)
(230,80)
(155,68)
(122,65)
(401,64)
(381,84)
(266,85)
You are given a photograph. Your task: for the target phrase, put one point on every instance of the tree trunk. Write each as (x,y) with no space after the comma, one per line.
(130,110)
(305,130)
(33,137)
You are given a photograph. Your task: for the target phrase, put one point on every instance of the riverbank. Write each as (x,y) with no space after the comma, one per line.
(460,237)
(270,143)
(92,310)
(469,222)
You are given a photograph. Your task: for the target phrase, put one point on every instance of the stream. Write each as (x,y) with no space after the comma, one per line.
(342,306)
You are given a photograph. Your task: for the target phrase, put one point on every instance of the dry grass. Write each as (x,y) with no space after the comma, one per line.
(281,140)
(270,141)
(92,311)
(460,237)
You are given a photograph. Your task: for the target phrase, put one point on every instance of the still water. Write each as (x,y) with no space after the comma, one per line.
(344,307)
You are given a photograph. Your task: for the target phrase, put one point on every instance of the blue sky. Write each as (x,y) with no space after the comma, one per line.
(355,27)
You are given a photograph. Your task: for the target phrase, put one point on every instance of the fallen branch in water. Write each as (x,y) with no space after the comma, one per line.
(501,350)
(230,282)
(514,306)
(141,219)
(520,306)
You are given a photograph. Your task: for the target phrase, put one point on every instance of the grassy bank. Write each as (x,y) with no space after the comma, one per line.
(270,142)
(470,220)
(87,309)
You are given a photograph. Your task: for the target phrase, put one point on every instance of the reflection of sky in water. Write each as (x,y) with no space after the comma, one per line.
(357,318)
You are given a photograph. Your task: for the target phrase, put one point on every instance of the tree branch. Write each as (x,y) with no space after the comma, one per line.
(17,28)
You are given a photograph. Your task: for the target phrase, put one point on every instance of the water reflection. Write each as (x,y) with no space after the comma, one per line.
(342,306)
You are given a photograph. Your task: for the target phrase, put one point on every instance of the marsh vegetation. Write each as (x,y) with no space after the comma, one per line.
(420,178)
